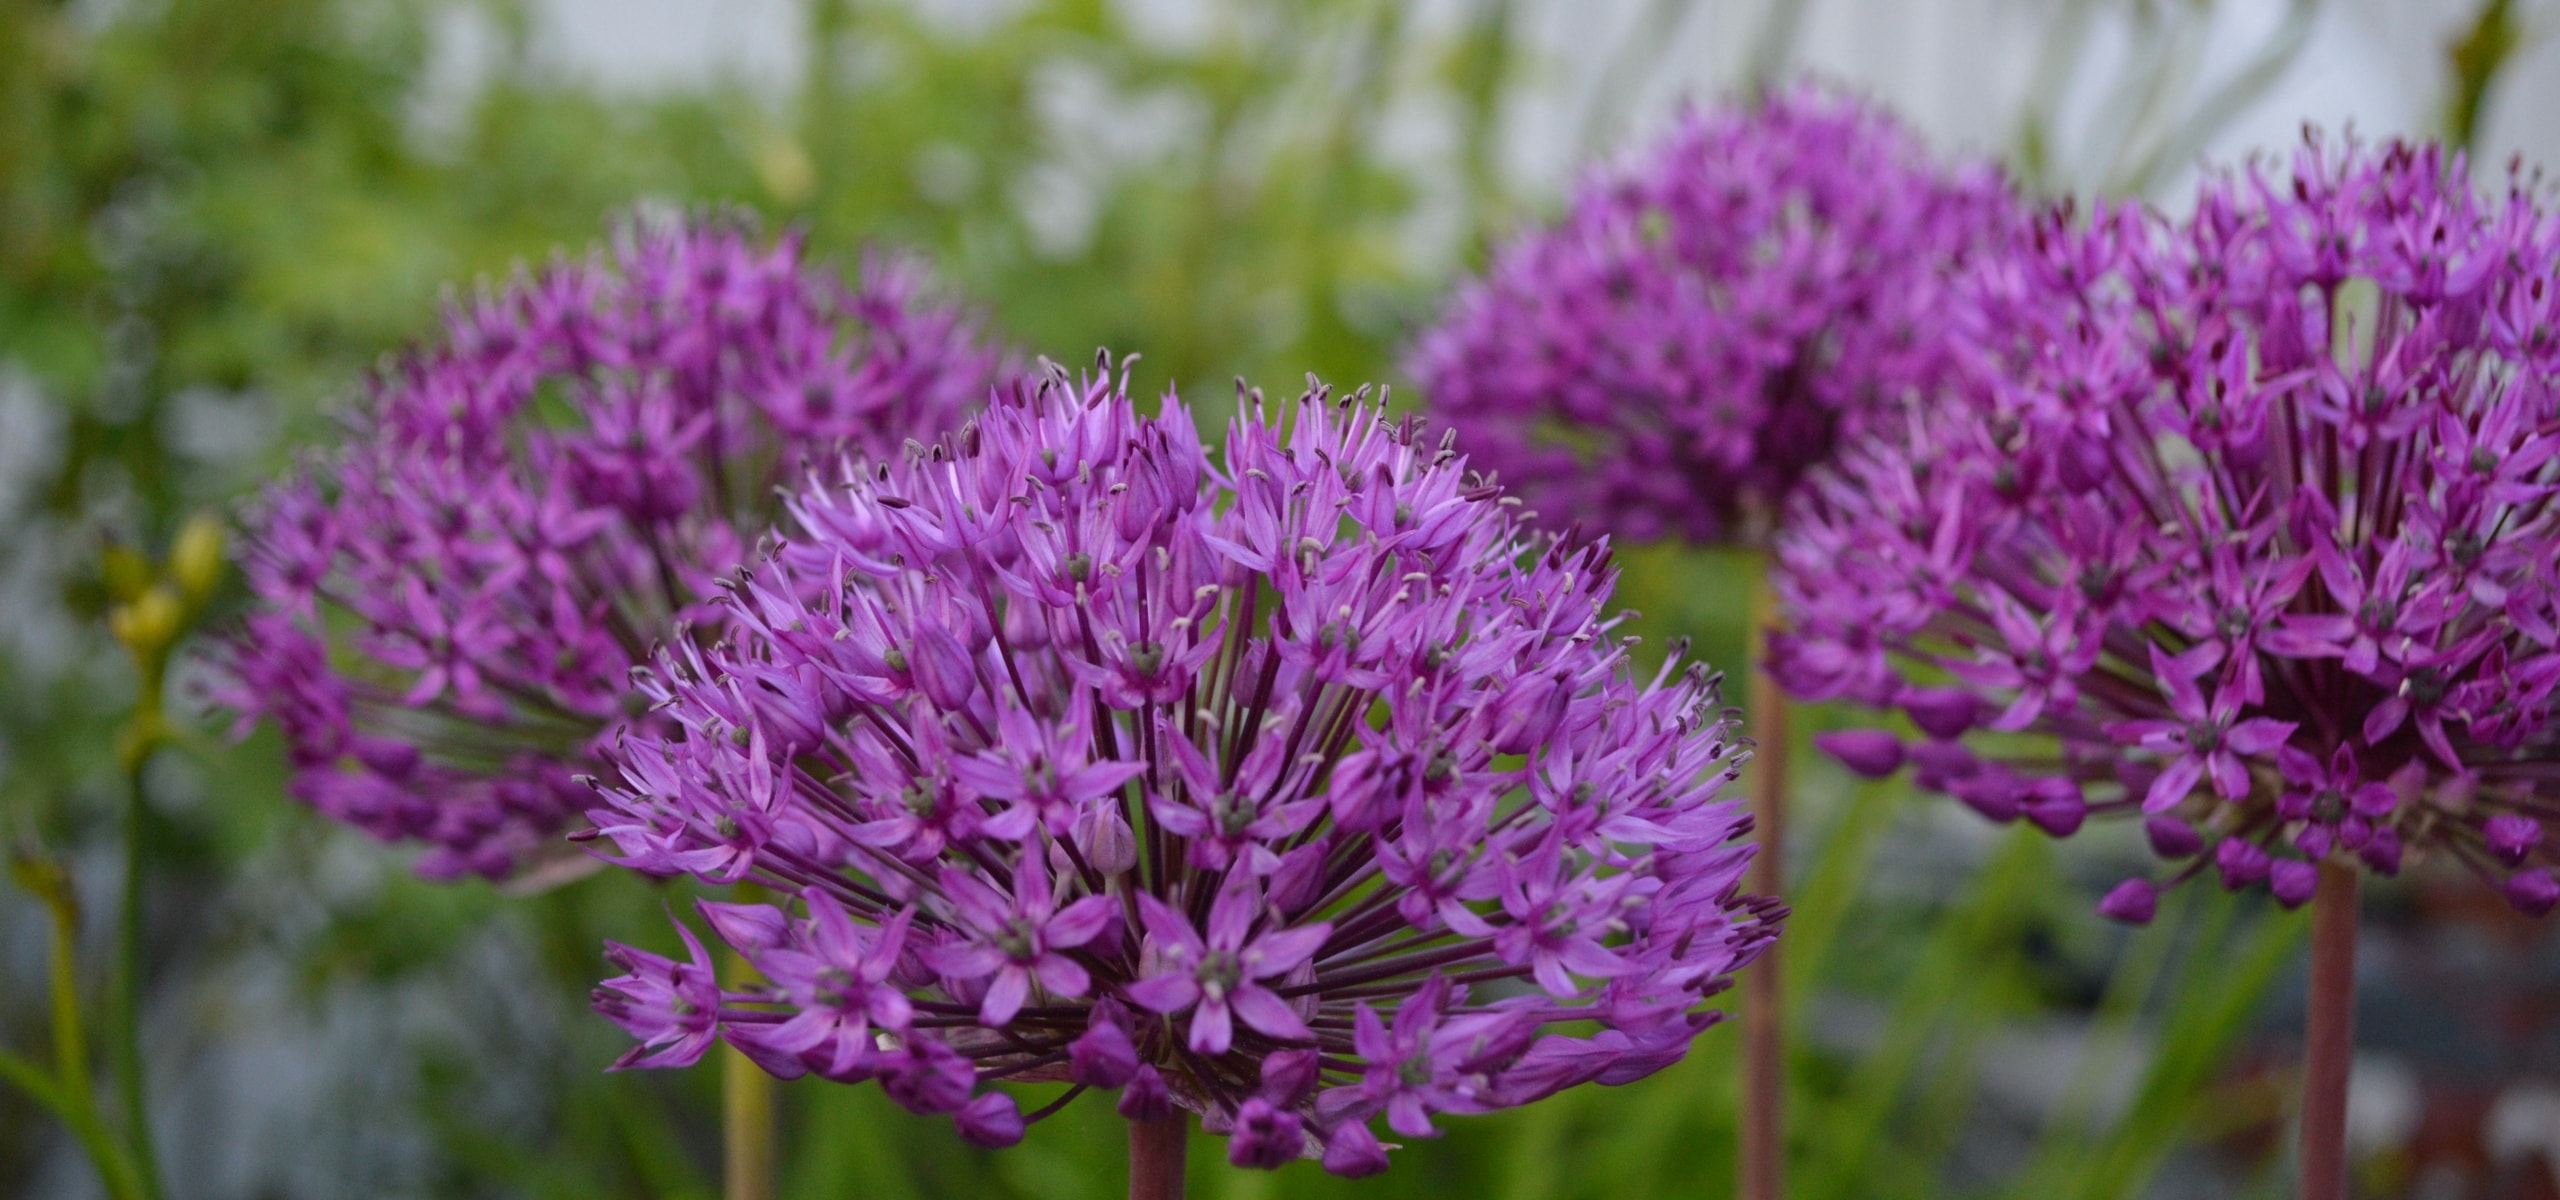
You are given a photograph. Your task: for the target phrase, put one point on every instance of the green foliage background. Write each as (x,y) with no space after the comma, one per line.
(217,214)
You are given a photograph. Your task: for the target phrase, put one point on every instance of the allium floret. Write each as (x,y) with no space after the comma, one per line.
(1230,782)
(2247,518)
(451,599)
(1710,317)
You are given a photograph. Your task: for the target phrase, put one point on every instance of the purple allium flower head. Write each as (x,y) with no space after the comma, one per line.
(451,600)
(2250,517)
(1293,785)
(1709,318)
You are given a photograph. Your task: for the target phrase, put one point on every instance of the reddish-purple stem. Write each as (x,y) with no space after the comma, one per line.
(2329,1042)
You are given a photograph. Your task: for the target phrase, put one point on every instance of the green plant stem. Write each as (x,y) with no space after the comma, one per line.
(70,1042)
(750,1142)
(124,1011)
(65,1091)
(2223,978)
(2329,1039)
(1958,983)
(2494,37)
(129,986)
(78,1113)
(747,1128)
(1156,1151)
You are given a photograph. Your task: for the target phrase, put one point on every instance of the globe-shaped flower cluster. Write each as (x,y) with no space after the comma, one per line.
(450,601)
(1291,786)
(2243,523)
(1711,317)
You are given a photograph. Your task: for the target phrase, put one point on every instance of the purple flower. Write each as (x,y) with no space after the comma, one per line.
(990,1121)
(836,974)
(1147,1097)
(450,600)
(2247,518)
(1352,1151)
(1424,1064)
(1017,939)
(1104,1057)
(1219,978)
(2200,740)
(1711,317)
(672,1008)
(1266,1136)
(1250,785)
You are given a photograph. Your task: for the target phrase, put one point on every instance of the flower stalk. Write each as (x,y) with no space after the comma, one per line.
(1156,1152)
(750,1128)
(2329,1040)
(125,995)
(1764,1048)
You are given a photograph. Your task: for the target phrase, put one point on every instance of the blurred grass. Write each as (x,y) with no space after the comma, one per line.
(230,199)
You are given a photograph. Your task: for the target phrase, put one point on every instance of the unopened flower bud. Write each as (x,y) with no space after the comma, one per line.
(195,557)
(149,622)
(2133,902)
(1104,838)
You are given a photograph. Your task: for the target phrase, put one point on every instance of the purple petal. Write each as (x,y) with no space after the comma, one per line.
(1164,993)
(1212,1029)
(1264,1010)
(2173,785)
(1281,951)
(1005,996)
(2258,735)
(1080,922)
(1063,975)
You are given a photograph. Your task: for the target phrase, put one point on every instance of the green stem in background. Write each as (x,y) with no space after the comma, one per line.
(750,1142)
(1773,48)
(1764,1041)
(2057,62)
(2492,40)
(832,142)
(155,609)
(1156,1150)
(2223,978)
(1483,70)
(125,1002)
(2215,112)
(1637,60)
(2329,1039)
(1965,981)
(150,640)
(70,1044)
(655,1153)
(77,1113)
(747,1128)
(66,1091)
